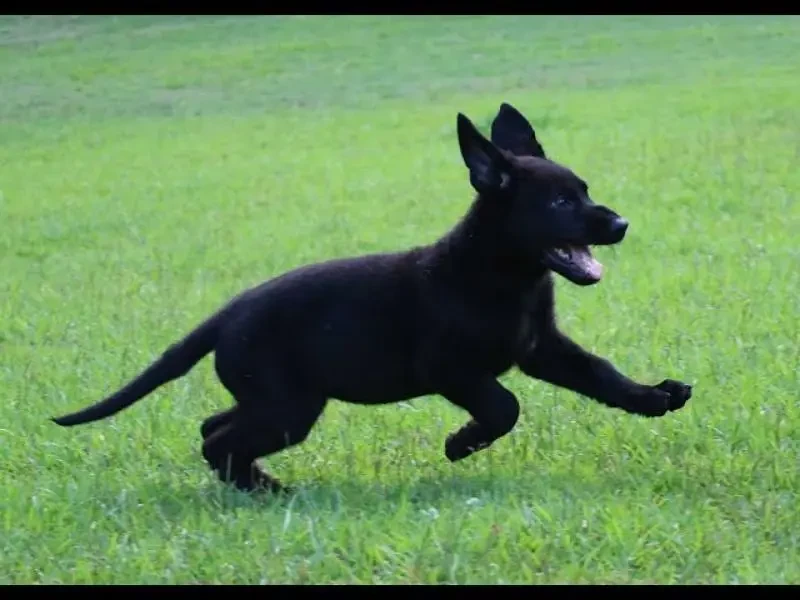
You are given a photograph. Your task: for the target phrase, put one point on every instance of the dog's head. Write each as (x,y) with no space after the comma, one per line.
(548,215)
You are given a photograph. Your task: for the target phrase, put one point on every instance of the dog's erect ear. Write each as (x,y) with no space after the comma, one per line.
(489,170)
(511,131)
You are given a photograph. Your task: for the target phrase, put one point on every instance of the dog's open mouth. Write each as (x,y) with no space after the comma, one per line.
(576,263)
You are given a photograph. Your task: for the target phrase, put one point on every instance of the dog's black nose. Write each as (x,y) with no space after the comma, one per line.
(618,227)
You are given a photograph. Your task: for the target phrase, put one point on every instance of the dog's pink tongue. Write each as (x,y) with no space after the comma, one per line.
(590,265)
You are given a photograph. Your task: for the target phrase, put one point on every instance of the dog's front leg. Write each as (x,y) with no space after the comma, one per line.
(558,360)
(494,412)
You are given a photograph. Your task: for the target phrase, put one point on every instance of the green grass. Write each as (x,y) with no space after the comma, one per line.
(150,168)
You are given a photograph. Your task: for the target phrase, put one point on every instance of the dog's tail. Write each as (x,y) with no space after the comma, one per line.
(176,362)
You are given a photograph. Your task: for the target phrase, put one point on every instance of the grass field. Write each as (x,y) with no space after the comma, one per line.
(150,168)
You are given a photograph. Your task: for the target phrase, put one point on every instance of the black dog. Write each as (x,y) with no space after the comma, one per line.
(447,319)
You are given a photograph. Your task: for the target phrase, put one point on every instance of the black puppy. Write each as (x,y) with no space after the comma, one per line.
(447,319)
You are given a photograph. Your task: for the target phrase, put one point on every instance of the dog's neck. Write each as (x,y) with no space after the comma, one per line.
(477,252)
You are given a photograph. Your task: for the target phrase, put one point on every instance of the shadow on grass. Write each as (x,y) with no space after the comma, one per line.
(452,489)
(175,500)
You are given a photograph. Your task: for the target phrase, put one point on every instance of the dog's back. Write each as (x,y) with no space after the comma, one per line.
(347,327)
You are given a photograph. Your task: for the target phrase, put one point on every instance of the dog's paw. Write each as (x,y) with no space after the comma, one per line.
(456,447)
(271,486)
(651,402)
(453,449)
(658,400)
(678,393)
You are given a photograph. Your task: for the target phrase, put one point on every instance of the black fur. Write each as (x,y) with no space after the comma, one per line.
(446,319)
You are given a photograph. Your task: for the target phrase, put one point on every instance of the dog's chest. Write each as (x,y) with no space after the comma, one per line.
(488,341)
(513,333)
(526,334)
(483,334)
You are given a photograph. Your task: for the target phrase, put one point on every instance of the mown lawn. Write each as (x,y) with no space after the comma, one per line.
(151,167)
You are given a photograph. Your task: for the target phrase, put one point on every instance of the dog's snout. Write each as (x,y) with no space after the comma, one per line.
(618,227)
(607,227)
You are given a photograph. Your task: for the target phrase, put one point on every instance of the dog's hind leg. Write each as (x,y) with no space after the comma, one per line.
(228,454)
(273,412)
(255,432)
(217,420)
(494,412)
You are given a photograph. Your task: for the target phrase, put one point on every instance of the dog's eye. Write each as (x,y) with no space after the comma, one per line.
(560,201)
